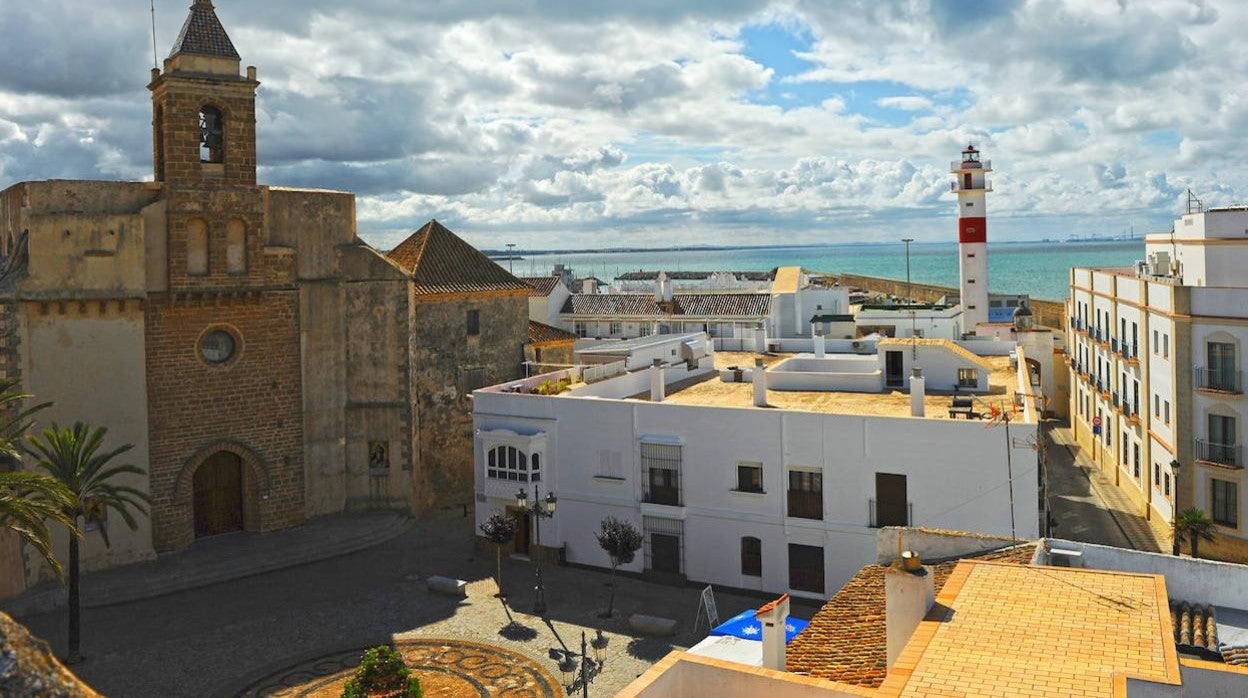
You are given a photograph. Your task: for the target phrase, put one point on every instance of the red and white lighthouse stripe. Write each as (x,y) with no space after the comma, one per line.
(971,186)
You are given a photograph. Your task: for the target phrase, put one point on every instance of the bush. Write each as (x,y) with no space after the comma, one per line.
(382,674)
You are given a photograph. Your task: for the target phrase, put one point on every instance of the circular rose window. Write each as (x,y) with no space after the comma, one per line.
(217,347)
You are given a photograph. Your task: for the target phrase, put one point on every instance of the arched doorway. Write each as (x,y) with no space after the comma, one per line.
(218,485)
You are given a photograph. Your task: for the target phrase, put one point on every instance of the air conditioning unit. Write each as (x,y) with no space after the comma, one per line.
(1065,558)
(1160,263)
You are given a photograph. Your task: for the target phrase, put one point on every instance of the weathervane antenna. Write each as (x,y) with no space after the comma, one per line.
(155,59)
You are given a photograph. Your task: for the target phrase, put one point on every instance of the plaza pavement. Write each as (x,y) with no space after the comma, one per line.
(217,640)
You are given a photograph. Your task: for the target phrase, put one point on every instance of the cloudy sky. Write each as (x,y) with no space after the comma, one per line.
(590,123)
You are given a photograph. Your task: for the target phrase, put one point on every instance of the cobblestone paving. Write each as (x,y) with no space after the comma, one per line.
(447,668)
(221,639)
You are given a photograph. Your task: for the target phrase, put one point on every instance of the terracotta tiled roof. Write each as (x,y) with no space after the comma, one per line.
(751,305)
(203,35)
(541,286)
(847,639)
(439,261)
(540,332)
(1196,632)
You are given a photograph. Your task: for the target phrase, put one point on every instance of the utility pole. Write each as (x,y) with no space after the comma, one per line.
(914,349)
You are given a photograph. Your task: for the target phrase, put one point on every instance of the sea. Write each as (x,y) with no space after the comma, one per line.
(1040,269)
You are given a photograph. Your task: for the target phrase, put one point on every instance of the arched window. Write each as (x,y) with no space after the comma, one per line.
(236,246)
(211,135)
(510,463)
(751,556)
(196,247)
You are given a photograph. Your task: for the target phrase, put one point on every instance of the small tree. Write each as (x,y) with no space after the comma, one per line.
(73,457)
(1193,526)
(499,529)
(621,540)
(382,674)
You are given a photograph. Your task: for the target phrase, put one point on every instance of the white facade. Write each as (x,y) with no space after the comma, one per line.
(918,320)
(597,450)
(1156,352)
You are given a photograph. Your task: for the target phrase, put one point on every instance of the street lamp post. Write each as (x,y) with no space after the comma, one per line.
(1174,508)
(539,509)
(589,667)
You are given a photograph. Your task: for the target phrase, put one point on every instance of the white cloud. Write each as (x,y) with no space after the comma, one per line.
(905,103)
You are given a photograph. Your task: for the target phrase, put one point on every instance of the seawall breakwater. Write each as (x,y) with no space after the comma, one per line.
(1047,312)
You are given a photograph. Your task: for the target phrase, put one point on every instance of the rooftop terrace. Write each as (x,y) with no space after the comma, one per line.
(712,392)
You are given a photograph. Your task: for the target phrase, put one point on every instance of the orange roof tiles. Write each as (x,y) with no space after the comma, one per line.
(846,640)
(1007,630)
(439,261)
(541,333)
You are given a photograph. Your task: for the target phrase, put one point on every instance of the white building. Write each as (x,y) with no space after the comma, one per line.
(642,281)
(779,497)
(910,320)
(1156,355)
(547,297)
(785,310)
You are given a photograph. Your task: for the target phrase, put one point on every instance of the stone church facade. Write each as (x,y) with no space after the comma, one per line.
(267,364)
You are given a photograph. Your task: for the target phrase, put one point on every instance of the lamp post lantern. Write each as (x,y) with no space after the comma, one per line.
(539,509)
(586,666)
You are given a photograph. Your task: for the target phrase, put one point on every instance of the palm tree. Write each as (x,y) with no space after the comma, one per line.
(27,500)
(1193,525)
(73,457)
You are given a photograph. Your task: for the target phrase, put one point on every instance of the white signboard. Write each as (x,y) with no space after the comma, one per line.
(708,602)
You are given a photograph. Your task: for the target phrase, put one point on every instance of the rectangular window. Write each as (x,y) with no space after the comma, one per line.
(615,329)
(1165,346)
(664,544)
(751,556)
(806,568)
(1225,502)
(474,323)
(1156,341)
(805,494)
(660,466)
(1156,406)
(579,329)
(1135,453)
(643,330)
(968,378)
(1156,475)
(1165,412)
(1167,484)
(1221,367)
(750,477)
(891,506)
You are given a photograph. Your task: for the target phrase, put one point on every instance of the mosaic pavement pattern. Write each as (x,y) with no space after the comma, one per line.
(446,668)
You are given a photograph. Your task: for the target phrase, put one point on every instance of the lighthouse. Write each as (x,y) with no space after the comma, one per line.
(970,186)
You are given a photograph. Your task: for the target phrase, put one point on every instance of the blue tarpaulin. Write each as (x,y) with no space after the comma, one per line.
(744,625)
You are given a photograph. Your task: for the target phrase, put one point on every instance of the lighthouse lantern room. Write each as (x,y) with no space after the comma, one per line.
(971,186)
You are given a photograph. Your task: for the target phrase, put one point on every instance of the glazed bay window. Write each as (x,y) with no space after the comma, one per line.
(660,466)
(750,477)
(510,463)
(1225,497)
(806,494)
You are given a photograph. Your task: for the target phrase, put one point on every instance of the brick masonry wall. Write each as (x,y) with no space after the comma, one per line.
(442,355)
(253,403)
(177,101)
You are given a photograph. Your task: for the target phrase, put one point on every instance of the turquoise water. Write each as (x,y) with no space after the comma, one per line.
(1036,268)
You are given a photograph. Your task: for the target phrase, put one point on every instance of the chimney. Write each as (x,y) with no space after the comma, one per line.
(657,387)
(820,346)
(760,340)
(759,376)
(773,617)
(909,592)
(918,389)
(589,286)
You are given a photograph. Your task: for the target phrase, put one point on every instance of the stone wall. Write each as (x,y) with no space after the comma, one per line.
(250,405)
(1047,312)
(177,101)
(443,361)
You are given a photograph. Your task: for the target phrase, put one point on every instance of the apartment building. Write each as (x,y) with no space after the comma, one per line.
(769,473)
(1155,354)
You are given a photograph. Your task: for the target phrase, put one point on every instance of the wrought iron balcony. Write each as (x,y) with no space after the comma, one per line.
(1218,380)
(1113,344)
(1229,455)
(877,521)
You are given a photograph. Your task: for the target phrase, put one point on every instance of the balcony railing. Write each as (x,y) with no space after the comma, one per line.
(960,186)
(805,505)
(1218,380)
(879,522)
(1229,455)
(970,165)
(1128,350)
(1115,398)
(1113,344)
